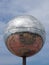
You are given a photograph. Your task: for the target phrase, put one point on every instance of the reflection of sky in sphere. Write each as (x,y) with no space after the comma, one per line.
(25,23)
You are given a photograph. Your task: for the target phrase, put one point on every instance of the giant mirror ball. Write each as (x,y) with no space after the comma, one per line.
(24,36)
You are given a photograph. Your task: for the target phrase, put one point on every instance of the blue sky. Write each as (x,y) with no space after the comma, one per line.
(9,9)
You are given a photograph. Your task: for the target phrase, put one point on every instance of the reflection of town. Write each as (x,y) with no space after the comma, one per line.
(24,43)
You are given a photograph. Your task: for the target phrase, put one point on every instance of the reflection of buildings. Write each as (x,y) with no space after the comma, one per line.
(24,44)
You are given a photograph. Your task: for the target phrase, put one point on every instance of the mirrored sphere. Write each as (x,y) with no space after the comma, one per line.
(24,36)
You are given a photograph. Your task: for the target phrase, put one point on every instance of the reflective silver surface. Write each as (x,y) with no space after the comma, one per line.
(26,23)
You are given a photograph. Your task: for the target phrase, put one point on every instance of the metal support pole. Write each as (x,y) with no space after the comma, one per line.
(24,60)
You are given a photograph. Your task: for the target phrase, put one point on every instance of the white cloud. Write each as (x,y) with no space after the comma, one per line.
(9,60)
(2,26)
